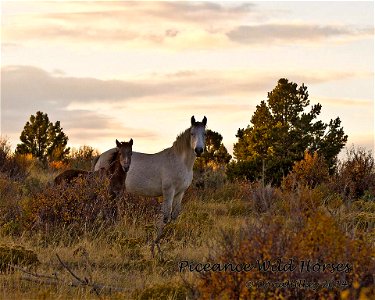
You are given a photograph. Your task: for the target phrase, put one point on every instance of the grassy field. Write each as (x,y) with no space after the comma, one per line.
(230,222)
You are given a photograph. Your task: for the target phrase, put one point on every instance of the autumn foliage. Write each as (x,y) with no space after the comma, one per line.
(305,236)
(310,171)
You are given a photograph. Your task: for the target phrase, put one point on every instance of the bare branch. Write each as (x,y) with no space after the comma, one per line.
(85,282)
(34,274)
(70,271)
(54,280)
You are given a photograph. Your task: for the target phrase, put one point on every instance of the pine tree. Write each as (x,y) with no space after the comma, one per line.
(281,131)
(43,139)
(215,153)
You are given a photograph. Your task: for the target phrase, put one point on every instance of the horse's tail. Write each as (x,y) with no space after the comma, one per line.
(58,179)
(94,161)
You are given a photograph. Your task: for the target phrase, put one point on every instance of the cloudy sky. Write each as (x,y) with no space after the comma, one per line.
(140,70)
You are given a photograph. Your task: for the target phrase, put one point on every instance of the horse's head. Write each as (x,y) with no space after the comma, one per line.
(125,152)
(198,135)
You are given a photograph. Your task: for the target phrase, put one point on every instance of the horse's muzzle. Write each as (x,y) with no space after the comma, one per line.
(198,151)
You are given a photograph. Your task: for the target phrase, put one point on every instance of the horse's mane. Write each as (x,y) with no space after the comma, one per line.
(182,141)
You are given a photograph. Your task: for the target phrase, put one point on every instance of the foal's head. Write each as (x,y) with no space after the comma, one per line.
(198,135)
(125,153)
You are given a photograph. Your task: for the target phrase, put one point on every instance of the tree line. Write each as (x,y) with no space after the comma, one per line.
(282,130)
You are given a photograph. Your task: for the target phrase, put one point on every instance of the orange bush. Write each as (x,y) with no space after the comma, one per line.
(58,165)
(311,171)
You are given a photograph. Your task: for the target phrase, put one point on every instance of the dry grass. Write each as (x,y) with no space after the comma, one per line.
(115,253)
(214,221)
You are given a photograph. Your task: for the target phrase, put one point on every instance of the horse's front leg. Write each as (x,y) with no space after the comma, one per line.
(177,205)
(164,218)
(168,195)
(160,225)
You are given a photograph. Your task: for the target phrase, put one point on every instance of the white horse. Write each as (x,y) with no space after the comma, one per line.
(167,173)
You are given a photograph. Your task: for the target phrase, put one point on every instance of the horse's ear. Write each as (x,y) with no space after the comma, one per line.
(192,121)
(118,143)
(131,142)
(204,121)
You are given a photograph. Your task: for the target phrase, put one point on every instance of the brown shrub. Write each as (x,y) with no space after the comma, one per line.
(14,167)
(9,206)
(83,204)
(355,177)
(263,197)
(79,204)
(81,158)
(209,178)
(319,241)
(360,217)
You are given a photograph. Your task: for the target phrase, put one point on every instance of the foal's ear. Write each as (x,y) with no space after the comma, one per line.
(192,121)
(118,144)
(131,142)
(204,121)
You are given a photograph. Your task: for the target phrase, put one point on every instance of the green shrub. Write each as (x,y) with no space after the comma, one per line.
(244,170)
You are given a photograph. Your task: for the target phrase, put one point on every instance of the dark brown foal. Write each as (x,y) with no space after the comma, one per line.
(118,168)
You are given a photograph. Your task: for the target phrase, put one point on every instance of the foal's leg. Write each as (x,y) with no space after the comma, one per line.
(112,188)
(177,205)
(115,189)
